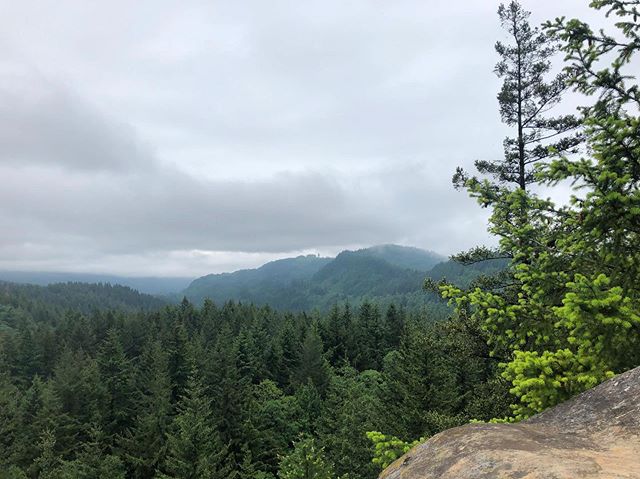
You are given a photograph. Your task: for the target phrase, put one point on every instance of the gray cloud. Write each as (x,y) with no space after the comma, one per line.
(180,138)
(45,123)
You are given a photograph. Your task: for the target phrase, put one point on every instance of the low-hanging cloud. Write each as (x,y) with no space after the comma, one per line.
(59,205)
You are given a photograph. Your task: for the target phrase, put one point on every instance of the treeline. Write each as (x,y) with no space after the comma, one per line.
(83,297)
(228,391)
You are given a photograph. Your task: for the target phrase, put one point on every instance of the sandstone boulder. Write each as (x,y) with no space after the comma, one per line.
(594,435)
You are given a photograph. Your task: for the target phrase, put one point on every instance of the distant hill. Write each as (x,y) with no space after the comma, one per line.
(273,283)
(356,273)
(406,257)
(147,285)
(382,273)
(81,297)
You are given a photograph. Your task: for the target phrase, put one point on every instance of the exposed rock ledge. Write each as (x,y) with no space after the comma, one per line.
(594,435)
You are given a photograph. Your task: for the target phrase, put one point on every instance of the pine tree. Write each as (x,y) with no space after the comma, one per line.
(369,335)
(525,99)
(334,336)
(306,461)
(194,449)
(145,444)
(188,316)
(47,463)
(312,366)
(394,326)
(40,413)
(308,402)
(10,422)
(29,356)
(92,461)
(117,378)
(289,345)
(230,393)
(248,358)
(352,408)
(176,345)
(273,418)
(569,319)
(78,386)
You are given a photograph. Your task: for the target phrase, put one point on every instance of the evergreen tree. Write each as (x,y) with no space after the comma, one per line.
(176,345)
(40,413)
(188,316)
(248,358)
(421,389)
(92,461)
(117,379)
(309,404)
(289,345)
(194,449)
(29,357)
(209,316)
(353,407)
(47,464)
(273,420)
(230,393)
(145,445)
(10,423)
(525,99)
(335,332)
(306,461)
(369,335)
(394,326)
(569,319)
(313,366)
(77,384)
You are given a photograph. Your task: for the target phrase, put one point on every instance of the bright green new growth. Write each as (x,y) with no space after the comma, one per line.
(388,448)
(306,461)
(566,316)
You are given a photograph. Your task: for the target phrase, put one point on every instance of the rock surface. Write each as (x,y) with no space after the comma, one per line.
(594,435)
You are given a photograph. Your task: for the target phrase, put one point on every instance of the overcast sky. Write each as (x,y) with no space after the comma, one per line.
(183,138)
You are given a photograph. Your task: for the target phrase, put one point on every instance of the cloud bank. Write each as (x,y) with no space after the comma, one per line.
(185,138)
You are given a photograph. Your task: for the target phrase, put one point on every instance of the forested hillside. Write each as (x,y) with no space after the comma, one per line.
(228,391)
(406,257)
(385,273)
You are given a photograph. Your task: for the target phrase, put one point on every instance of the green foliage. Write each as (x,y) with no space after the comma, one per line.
(566,316)
(389,448)
(223,391)
(306,461)
(193,447)
(92,461)
(352,407)
(82,297)
(145,443)
(312,366)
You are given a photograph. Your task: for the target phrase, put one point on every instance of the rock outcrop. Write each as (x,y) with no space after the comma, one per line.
(594,435)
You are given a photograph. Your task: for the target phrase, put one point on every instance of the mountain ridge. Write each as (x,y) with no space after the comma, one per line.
(381,273)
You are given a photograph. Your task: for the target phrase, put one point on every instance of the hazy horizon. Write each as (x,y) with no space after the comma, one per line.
(249,265)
